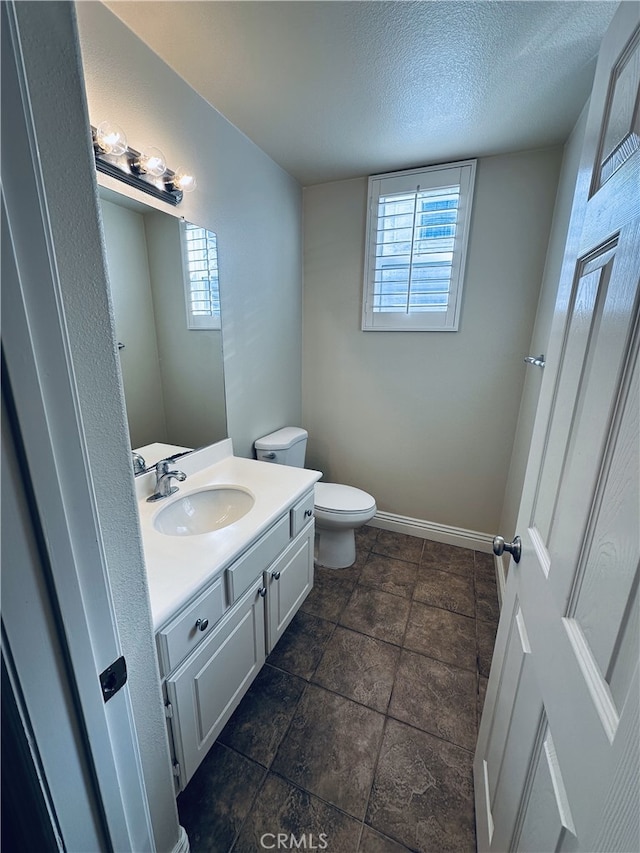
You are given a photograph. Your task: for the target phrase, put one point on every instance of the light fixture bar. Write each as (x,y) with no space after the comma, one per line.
(121,167)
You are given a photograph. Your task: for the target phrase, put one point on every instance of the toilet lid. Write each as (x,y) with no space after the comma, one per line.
(333,497)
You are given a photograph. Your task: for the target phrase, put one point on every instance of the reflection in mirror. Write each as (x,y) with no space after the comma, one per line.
(164,284)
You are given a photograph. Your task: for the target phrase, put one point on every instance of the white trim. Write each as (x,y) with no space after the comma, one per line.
(436,532)
(460,174)
(183,842)
(501,577)
(48,418)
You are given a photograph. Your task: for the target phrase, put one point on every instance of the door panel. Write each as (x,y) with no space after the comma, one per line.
(583,315)
(621,125)
(511,735)
(609,569)
(604,371)
(545,813)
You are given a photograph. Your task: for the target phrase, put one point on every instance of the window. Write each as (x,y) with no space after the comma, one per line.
(202,291)
(417,230)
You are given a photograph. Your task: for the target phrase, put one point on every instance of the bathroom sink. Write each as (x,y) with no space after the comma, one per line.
(204,511)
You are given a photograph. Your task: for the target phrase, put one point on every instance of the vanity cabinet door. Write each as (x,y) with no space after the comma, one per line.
(288,581)
(206,689)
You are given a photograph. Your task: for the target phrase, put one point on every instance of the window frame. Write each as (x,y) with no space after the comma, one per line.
(460,174)
(197,322)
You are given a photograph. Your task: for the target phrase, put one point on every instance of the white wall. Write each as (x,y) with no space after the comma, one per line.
(425,421)
(239,188)
(542,328)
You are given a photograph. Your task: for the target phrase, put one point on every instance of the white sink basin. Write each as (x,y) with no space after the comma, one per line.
(204,511)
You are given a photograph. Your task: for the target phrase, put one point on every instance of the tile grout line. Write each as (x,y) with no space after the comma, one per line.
(308,681)
(268,769)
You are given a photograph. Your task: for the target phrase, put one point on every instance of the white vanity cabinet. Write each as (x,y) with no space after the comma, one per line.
(205,690)
(213,649)
(288,582)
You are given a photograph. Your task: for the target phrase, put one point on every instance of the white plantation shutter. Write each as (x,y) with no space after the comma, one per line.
(202,287)
(417,231)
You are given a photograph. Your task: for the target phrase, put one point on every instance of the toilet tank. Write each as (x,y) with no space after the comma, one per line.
(286,446)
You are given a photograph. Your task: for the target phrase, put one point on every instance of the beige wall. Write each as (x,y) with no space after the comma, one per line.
(191,361)
(542,328)
(425,421)
(128,267)
(239,188)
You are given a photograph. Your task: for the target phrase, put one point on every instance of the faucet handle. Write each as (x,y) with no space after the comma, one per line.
(163,481)
(139,465)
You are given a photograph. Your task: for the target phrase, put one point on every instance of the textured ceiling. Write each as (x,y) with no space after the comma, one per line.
(334,90)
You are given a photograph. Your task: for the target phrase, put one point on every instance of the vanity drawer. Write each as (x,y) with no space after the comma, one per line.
(248,567)
(182,634)
(302,513)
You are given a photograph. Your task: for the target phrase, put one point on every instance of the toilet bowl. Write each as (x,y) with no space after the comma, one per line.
(338,509)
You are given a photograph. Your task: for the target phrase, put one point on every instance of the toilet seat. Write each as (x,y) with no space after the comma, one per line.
(337,499)
(339,510)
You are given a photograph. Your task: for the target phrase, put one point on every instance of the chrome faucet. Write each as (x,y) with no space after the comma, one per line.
(163,481)
(139,465)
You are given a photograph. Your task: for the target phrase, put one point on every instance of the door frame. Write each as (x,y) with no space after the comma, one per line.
(63,559)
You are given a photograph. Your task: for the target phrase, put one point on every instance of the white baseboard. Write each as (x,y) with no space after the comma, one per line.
(436,532)
(183,842)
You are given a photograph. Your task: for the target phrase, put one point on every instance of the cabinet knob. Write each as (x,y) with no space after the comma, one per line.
(275,576)
(202,624)
(308,513)
(263,592)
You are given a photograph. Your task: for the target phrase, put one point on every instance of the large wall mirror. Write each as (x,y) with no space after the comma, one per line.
(170,353)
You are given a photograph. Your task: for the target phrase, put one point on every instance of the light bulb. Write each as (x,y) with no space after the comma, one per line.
(151,162)
(183,181)
(110,138)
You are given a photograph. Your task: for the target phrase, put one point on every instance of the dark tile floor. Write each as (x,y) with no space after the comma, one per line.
(359,731)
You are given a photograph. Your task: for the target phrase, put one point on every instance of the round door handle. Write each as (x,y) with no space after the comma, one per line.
(263,592)
(275,576)
(202,624)
(514,548)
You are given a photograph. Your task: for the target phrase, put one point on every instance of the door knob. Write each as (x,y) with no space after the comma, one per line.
(514,548)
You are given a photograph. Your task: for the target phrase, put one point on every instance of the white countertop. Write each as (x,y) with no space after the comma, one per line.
(179,567)
(153,453)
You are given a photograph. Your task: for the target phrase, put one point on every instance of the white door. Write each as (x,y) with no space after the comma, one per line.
(557,765)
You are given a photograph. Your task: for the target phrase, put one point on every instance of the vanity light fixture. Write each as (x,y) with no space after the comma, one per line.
(150,162)
(146,170)
(182,180)
(110,139)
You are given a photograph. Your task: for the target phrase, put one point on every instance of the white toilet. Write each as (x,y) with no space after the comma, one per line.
(338,509)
